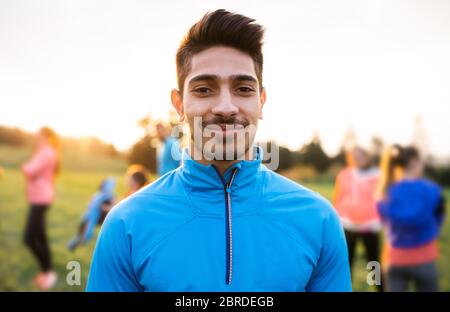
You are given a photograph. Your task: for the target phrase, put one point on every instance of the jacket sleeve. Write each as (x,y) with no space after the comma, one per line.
(111,267)
(37,164)
(332,272)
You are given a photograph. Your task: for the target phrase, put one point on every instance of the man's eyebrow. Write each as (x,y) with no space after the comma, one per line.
(208,77)
(204,77)
(244,78)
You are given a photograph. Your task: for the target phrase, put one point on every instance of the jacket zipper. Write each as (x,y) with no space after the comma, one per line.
(228,224)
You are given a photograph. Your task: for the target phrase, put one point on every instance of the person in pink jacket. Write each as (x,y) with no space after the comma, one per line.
(40,172)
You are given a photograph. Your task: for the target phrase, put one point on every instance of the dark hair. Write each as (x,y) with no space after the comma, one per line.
(404,155)
(221,28)
(139,178)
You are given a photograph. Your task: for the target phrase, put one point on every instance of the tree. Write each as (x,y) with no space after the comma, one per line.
(285,156)
(313,154)
(143,153)
(15,137)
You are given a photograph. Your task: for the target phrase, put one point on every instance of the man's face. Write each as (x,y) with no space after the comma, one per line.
(221,101)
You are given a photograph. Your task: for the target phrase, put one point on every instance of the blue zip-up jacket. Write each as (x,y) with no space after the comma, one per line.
(194,230)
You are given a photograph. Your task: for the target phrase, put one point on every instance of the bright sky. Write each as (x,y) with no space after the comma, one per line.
(96,67)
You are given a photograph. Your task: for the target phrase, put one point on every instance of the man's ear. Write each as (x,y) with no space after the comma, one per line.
(262,99)
(177,103)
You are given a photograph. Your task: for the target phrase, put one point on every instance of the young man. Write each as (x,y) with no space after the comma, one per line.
(221,223)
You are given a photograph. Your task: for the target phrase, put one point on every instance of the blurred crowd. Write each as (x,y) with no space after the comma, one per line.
(386,204)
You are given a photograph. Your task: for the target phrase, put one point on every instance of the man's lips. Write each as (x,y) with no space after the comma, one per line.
(225,126)
(227,129)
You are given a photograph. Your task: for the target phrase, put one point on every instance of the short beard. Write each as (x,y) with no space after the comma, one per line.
(219,147)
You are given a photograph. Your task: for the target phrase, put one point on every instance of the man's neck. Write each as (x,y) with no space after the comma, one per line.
(221,165)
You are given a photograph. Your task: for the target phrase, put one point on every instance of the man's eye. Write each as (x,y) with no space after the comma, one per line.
(245,90)
(202,91)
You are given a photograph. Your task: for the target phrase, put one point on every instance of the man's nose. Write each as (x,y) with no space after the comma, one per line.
(225,106)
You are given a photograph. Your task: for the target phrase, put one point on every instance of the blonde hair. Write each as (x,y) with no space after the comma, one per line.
(394,160)
(54,142)
(349,158)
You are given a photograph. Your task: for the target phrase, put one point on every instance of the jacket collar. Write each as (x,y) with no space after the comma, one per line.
(207,176)
(205,186)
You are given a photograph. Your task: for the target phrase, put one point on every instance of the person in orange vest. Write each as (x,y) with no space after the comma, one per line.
(354,200)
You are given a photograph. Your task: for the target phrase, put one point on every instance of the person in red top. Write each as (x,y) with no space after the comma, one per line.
(354,200)
(40,172)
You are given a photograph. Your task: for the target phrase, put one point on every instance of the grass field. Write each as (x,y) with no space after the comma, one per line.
(74,190)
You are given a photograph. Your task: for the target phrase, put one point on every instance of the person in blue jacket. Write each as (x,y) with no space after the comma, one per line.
(99,206)
(412,209)
(222,221)
(169,155)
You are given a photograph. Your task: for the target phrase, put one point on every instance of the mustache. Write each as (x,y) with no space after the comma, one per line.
(225,120)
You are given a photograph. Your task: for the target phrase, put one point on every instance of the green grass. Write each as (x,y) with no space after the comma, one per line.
(74,190)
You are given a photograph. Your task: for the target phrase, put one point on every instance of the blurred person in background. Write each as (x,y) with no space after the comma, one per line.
(98,208)
(169,155)
(354,200)
(137,177)
(101,203)
(40,172)
(412,210)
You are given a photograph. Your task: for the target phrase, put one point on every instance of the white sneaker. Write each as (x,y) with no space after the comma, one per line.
(49,280)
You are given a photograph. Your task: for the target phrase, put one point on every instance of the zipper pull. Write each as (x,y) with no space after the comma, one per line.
(228,189)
